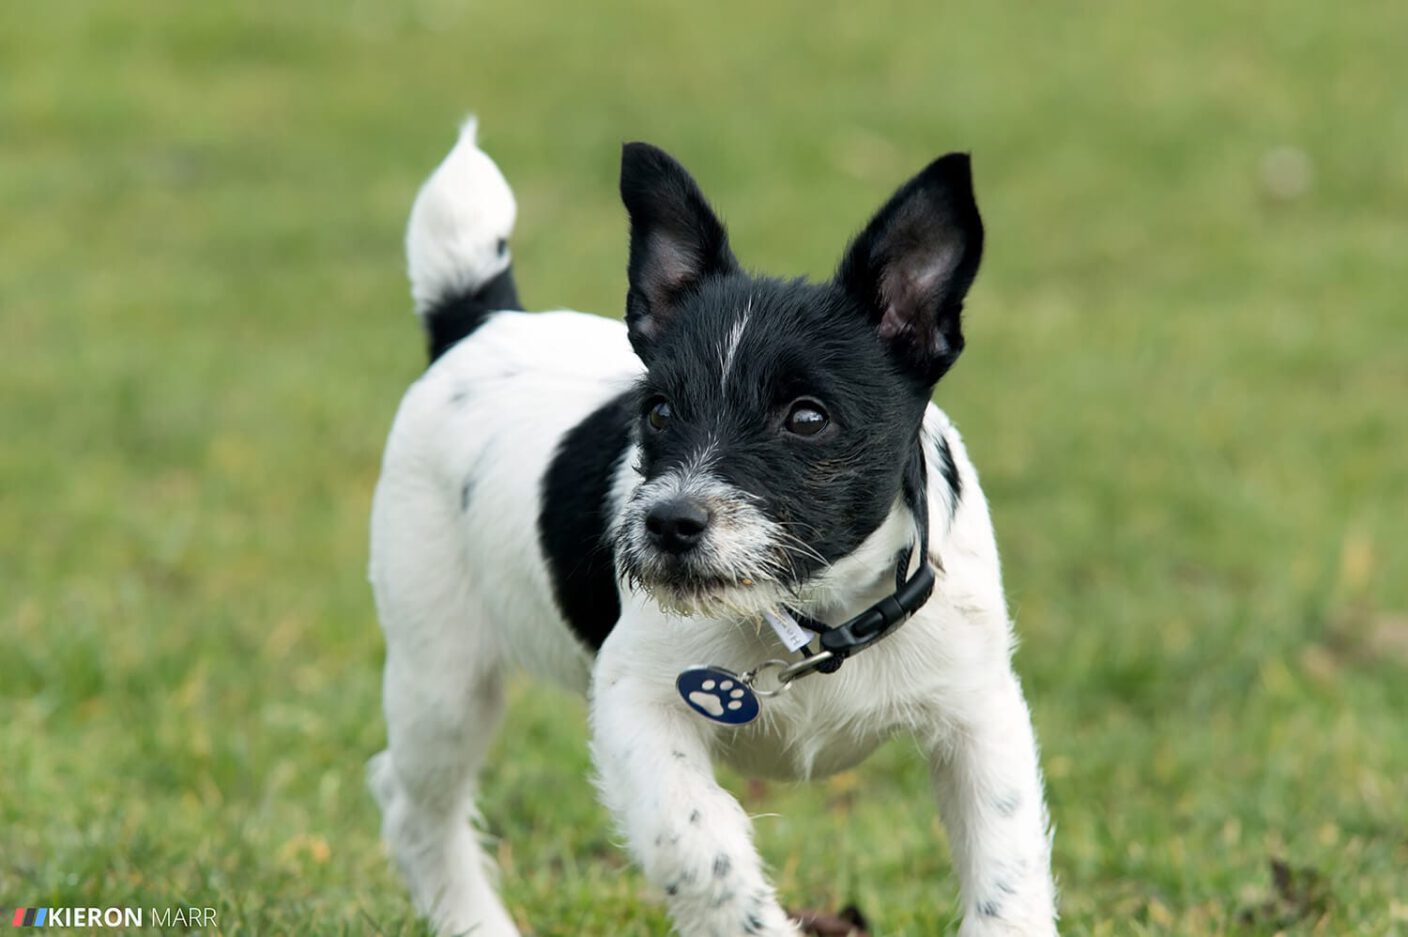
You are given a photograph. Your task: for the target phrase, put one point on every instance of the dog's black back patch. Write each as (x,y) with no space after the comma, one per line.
(575,517)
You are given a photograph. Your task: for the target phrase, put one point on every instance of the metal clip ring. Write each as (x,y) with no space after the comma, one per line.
(751,678)
(787,671)
(803,667)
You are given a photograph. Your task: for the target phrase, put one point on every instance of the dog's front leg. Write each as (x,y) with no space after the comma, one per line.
(691,838)
(990,796)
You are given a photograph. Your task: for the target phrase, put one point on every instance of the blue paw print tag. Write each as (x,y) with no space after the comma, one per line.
(718,694)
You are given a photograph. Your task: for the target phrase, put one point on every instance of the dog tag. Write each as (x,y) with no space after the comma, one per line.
(718,694)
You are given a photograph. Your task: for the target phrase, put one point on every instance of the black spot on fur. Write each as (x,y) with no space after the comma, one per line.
(678,755)
(456,317)
(949,470)
(466,490)
(990,908)
(575,516)
(753,924)
(672,889)
(722,865)
(695,817)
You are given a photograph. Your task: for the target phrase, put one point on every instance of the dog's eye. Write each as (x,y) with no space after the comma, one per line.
(806,418)
(659,414)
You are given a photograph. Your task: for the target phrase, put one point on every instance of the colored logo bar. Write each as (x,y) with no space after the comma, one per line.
(30,917)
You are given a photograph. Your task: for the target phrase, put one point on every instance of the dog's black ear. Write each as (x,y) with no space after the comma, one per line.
(912,265)
(676,240)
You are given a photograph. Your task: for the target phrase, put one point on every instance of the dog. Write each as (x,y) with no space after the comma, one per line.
(736,522)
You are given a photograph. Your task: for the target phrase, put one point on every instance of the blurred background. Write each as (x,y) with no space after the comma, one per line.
(1185,386)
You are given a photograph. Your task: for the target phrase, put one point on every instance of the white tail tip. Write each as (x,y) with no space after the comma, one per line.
(457,236)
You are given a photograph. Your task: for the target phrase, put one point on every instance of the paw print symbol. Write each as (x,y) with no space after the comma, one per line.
(722,697)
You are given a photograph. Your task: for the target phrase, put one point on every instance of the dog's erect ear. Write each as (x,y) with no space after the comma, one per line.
(912,265)
(676,240)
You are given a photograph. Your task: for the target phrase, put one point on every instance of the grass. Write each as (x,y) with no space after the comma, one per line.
(1185,385)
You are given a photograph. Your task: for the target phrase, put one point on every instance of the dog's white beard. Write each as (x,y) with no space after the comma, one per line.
(741,602)
(741,569)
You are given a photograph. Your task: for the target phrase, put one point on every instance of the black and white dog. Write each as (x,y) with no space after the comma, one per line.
(696,518)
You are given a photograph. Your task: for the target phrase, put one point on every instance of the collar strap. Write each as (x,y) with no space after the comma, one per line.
(881,619)
(876,622)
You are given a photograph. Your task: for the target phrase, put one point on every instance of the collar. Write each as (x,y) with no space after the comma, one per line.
(704,688)
(836,643)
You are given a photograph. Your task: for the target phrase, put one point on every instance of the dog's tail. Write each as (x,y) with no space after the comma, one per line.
(457,244)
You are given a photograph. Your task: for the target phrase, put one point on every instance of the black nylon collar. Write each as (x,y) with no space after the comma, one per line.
(911,592)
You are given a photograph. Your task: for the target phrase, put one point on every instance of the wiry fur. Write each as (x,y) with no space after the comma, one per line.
(472,580)
(745,567)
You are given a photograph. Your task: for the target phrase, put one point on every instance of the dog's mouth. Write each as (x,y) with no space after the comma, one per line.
(722,600)
(708,594)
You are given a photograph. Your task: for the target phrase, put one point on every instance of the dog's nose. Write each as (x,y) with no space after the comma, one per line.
(677,525)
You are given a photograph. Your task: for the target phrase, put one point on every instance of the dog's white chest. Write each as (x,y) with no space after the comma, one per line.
(767,752)
(811,732)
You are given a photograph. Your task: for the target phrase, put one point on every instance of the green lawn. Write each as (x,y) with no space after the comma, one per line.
(1186,384)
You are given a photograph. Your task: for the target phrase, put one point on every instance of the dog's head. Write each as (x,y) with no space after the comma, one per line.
(777,417)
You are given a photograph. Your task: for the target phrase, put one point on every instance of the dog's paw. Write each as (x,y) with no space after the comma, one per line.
(848,923)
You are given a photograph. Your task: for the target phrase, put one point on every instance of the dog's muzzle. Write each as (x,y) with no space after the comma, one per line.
(696,544)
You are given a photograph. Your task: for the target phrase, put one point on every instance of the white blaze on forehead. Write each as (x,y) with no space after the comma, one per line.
(729,348)
(700,461)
